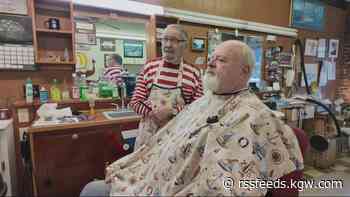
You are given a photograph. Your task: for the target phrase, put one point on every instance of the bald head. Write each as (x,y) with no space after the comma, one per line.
(230,67)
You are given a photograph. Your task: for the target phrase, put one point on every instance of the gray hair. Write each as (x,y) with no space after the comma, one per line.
(180,29)
(248,58)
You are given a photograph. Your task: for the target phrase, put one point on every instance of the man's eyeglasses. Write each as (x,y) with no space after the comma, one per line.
(172,40)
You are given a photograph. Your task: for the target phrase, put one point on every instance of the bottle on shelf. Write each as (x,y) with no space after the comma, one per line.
(83,88)
(75,86)
(115,92)
(29,90)
(65,91)
(55,91)
(44,95)
(66,55)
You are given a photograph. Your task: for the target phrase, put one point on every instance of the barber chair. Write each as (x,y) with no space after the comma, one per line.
(295,175)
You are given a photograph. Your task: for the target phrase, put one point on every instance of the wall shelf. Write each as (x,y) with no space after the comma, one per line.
(69,32)
(52,43)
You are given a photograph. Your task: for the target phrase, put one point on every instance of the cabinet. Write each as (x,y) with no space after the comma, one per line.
(53,31)
(64,161)
(7,156)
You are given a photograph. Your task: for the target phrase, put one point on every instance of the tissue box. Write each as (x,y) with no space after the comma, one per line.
(129,138)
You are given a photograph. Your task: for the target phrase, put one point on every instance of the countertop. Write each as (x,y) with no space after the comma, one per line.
(98,121)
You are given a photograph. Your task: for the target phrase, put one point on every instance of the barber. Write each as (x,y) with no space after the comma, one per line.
(165,85)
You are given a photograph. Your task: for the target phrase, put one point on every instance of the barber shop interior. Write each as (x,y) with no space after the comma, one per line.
(174,98)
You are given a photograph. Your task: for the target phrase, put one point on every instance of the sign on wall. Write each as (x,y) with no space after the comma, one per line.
(14,6)
(308,14)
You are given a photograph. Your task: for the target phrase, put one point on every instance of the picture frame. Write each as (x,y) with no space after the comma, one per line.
(133,48)
(106,59)
(198,44)
(14,7)
(333,48)
(107,44)
(311,46)
(308,14)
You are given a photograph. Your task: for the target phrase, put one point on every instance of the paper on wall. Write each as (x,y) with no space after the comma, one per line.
(323,75)
(321,50)
(330,69)
(311,74)
(289,76)
(310,47)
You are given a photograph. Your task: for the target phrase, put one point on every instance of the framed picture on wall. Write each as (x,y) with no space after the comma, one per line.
(107,44)
(308,14)
(333,48)
(133,48)
(107,58)
(198,44)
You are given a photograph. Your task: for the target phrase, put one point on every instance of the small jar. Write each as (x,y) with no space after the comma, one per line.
(4,114)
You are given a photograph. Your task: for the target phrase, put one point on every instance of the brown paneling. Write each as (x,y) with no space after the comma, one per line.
(264,11)
(195,31)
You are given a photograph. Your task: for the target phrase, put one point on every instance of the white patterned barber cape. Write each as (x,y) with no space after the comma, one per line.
(190,157)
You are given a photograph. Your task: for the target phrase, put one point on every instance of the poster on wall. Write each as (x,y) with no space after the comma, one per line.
(16,29)
(322,47)
(311,74)
(107,44)
(85,33)
(14,7)
(311,47)
(107,58)
(333,48)
(133,48)
(308,14)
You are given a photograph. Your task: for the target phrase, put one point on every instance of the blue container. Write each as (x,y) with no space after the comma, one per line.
(130,82)
(44,95)
(129,138)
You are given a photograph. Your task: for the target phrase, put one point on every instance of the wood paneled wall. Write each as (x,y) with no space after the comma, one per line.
(264,11)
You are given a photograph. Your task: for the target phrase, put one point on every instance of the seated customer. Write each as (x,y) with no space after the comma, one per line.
(228,134)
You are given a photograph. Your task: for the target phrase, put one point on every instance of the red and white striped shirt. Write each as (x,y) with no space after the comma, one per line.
(191,83)
(113,73)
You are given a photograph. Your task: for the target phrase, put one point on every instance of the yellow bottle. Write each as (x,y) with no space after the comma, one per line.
(55,92)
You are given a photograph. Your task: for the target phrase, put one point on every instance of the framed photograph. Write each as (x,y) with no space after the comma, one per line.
(107,44)
(308,14)
(322,47)
(107,58)
(85,38)
(16,29)
(198,43)
(311,47)
(333,48)
(133,48)
(14,7)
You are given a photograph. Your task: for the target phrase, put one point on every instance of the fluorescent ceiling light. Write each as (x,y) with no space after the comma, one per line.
(123,5)
(196,17)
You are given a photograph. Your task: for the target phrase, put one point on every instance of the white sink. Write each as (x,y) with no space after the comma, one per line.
(118,114)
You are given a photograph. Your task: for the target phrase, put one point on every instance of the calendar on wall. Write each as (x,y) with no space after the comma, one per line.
(16,56)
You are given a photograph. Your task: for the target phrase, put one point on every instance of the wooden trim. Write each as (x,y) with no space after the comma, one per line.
(34,169)
(111,15)
(100,120)
(151,31)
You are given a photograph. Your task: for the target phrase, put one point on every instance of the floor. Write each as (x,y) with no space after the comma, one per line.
(339,171)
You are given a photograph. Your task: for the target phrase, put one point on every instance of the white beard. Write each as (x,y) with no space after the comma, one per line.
(211,82)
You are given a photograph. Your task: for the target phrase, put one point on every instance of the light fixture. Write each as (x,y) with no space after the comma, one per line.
(196,17)
(123,5)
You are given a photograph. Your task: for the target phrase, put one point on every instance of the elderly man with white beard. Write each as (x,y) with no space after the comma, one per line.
(225,137)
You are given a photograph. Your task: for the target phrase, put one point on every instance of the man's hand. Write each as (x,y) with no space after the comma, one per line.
(161,115)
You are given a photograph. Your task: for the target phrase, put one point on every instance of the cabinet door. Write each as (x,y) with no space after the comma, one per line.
(65,163)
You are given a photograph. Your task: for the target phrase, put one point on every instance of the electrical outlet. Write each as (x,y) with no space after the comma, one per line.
(22,130)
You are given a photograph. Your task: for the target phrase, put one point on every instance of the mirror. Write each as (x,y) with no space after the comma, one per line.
(98,38)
